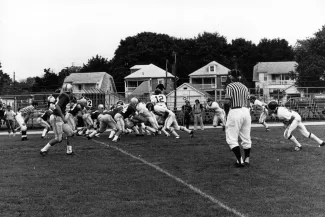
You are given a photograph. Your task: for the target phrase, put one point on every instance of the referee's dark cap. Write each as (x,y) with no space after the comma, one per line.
(235,73)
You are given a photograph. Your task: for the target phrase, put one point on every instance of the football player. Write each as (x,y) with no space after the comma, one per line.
(260,106)
(43,120)
(23,116)
(219,113)
(292,121)
(58,121)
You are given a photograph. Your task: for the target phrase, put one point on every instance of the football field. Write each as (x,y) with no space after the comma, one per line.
(163,176)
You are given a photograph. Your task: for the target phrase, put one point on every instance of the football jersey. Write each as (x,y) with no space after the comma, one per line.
(46,115)
(128,110)
(142,108)
(27,110)
(158,99)
(75,109)
(94,115)
(215,106)
(259,105)
(114,111)
(285,114)
(62,101)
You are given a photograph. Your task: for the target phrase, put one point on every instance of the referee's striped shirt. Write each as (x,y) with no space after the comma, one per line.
(27,110)
(238,94)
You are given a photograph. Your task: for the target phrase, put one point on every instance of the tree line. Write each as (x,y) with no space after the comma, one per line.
(191,54)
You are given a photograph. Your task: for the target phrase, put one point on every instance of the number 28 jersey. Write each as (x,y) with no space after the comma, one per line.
(158,99)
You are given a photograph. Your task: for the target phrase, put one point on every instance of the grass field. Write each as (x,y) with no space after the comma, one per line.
(160,176)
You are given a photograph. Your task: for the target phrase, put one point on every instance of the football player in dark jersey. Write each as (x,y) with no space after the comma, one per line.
(59,122)
(44,118)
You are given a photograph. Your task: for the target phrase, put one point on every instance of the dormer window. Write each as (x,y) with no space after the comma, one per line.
(211,69)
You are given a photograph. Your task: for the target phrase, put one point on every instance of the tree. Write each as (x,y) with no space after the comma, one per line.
(5,82)
(273,50)
(96,64)
(310,56)
(66,72)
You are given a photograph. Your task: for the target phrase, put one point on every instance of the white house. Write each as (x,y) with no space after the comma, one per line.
(186,91)
(274,76)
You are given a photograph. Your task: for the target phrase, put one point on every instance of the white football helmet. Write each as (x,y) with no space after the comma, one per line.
(67,88)
(52,106)
(101,107)
(51,99)
(134,100)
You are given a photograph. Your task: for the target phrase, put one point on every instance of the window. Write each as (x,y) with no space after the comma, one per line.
(79,86)
(211,68)
(265,77)
(132,83)
(223,79)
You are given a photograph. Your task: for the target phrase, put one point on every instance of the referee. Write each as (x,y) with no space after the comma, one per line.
(238,118)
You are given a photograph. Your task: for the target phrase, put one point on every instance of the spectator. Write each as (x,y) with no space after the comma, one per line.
(198,110)
(2,115)
(187,112)
(10,120)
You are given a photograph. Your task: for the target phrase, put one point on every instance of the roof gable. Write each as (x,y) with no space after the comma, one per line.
(191,88)
(219,70)
(85,78)
(149,71)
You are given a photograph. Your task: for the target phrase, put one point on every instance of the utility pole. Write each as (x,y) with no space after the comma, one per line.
(14,81)
(166,75)
(174,72)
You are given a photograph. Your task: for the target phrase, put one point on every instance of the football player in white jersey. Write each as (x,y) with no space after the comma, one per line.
(170,122)
(260,106)
(219,113)
(292,121)
(159,101)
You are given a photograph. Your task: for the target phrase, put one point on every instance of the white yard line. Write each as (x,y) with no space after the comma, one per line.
(193,188)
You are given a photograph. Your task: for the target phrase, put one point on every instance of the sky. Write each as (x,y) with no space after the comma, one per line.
(39,34)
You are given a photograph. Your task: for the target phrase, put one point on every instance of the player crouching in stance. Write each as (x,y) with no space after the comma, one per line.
(219,114)
(292,121)
(43,120)
(59,122)
(261,106)
(22,118)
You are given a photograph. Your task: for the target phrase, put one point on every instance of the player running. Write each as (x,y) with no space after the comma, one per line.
(219,113)
(260,106)
(292,121)
(59,122)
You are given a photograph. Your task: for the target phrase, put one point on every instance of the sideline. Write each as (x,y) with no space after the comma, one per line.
(272,124)
(193,188)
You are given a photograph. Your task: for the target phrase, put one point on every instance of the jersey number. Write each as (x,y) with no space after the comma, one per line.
(160,99)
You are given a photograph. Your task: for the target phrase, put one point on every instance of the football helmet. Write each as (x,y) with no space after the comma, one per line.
(101,107)
(157,91)
(252,97)
(51,99)
(120,102)
(209,99)
(134,100)
(52,106)
(150,106)
(82,101)
(67,88)
(34,103)
(272,105)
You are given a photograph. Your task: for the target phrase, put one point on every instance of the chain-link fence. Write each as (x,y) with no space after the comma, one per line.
(309,102)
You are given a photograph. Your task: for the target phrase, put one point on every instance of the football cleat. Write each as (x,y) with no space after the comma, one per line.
(43,153)
(238,165)
(177,137)
(88,137)
(70,153)
(267,129)
(298,148)
(321,145)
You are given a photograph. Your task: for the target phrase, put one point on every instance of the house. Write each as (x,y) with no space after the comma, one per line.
(97,86)
(186,91)
(89,80)
(210,78)
(273,78)
(144,79)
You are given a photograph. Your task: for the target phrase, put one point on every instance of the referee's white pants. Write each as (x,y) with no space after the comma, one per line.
(239,125)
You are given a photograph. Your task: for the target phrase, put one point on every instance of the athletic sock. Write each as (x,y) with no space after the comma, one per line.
(237,153)
(69,149)
(112,134)
(247,153)
(46,147)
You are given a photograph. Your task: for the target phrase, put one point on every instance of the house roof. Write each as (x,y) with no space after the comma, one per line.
(149,71)
(85,78)
(142,88)
(273,68)
(191,86)
(220,70)
(93,90)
